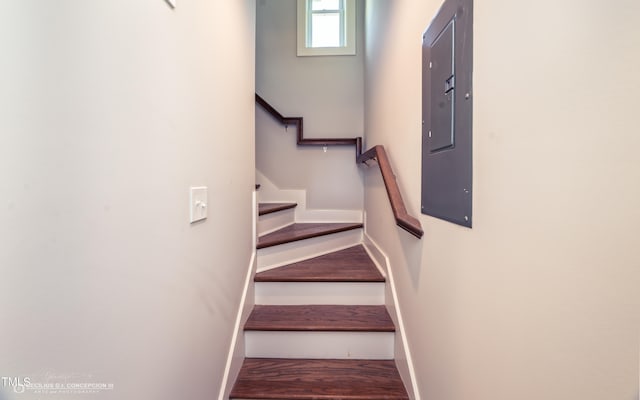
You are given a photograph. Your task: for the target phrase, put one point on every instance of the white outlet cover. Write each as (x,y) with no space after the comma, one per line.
(172,3)
(198,203)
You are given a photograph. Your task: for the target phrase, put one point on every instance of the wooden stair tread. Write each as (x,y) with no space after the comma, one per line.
(348,265)
(304,379)
(267,208)
(347,318)
(301,231)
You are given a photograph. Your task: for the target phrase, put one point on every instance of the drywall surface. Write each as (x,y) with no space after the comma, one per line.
(331,176)
(110,111)
(326,91)
(540,299)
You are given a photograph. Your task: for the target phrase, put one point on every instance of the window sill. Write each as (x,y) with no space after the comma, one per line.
(326,51)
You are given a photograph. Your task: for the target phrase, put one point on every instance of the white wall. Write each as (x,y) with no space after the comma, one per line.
(326,91)
(540,299)
(110,111)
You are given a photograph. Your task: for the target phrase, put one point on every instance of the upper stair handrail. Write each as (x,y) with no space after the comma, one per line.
(298,123)
(402,217)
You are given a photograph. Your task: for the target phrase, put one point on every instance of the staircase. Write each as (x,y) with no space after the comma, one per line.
(319,329)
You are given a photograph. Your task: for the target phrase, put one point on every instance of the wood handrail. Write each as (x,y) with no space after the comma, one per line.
(402,217)
(298,123)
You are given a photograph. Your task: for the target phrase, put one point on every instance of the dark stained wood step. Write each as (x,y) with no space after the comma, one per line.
(268,208)
(320,318)
(348,265)
(304,379)
(303,231)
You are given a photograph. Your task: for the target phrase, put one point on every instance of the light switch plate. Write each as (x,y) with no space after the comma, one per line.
(198,203)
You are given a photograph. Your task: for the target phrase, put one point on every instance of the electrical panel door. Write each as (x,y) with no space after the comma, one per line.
(447,99)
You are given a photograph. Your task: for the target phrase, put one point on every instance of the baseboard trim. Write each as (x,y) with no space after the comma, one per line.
(403,361)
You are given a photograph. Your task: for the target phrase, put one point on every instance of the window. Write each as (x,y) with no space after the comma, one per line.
(326,27)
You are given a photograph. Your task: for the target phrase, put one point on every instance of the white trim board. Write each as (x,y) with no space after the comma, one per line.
(403,359)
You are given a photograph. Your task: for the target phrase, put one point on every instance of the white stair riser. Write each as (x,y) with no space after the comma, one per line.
(301,293)
(273,221)
(315,215)
(340,345)
(276,256)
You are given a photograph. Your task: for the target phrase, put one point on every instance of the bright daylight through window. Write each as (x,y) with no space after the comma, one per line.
(326,27)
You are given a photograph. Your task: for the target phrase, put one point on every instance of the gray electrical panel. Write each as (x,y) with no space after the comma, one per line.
(447,97)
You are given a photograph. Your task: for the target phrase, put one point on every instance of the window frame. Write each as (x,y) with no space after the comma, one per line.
(304,30)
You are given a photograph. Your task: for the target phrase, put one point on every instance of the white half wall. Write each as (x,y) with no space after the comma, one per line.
(540,299)
(110,112)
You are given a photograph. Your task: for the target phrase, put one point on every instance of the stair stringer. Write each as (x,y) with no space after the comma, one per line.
(236,353)
(403,359)
(270,193)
